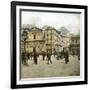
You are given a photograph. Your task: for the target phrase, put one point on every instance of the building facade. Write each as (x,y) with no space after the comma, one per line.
(75,45)
(45,40)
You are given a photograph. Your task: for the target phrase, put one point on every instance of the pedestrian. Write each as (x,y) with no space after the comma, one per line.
(78,53)
(35,58)
(54,52)
(49,57)
(28,55)
(66,55)
(43,55)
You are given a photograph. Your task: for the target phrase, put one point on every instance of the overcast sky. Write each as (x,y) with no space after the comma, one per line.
(57,20)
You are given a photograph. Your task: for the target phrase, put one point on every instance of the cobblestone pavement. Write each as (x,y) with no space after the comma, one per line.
(57,69)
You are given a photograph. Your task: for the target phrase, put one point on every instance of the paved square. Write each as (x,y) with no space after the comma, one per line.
(57,69)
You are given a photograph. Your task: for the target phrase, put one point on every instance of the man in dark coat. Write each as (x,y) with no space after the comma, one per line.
(78,53)
(35,58)
(66,55)
(28,55)
(43,55)
(49,57)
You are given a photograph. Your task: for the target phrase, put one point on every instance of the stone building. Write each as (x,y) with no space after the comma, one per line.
(52,39)
(75,45)
(44,40)
(35,40)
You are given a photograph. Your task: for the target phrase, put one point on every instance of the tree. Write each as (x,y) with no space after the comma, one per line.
(24,37)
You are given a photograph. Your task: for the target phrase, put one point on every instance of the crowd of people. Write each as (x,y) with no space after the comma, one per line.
(45,56)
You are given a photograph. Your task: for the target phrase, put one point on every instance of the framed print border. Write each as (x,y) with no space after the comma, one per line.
(14,42)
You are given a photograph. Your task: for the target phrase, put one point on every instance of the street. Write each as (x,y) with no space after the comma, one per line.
(58,68)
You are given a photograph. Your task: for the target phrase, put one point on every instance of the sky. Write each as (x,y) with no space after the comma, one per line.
(56,20)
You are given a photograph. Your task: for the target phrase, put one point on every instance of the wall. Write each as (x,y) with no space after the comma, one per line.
(5,45)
